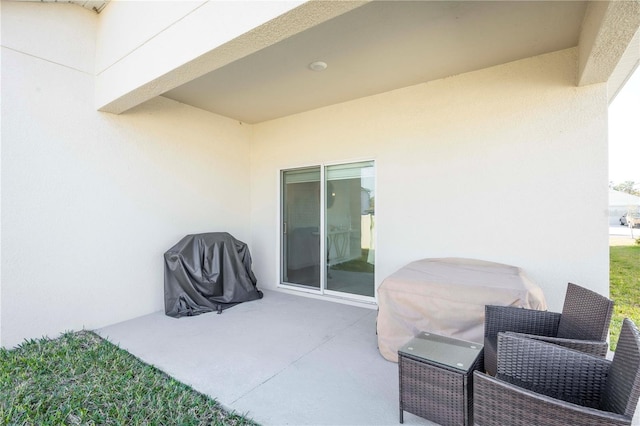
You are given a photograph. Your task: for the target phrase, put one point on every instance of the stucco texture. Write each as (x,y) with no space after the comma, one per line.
(91,200)
(506,164)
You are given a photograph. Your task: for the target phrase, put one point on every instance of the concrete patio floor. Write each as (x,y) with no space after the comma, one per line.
(281,360)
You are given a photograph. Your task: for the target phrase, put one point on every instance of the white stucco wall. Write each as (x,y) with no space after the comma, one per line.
(90,200)
(491,164)
(507,164)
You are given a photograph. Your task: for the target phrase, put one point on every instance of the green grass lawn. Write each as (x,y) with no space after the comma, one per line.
(360,264)
(625,287)
(80,378)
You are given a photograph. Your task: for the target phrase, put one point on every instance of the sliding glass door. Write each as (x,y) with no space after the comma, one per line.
(328,229)
(350,228)
(301,262)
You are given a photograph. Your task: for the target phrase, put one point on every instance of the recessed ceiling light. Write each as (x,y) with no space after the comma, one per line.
(318,66)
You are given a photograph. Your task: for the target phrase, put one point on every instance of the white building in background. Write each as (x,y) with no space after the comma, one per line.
(620,203)
(125,130)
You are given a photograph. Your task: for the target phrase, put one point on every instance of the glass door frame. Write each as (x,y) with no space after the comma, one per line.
(322,291)
(282,233)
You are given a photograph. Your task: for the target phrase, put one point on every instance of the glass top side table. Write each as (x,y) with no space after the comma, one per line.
(436,374)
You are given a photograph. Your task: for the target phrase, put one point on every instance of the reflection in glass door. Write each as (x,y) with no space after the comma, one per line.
(350,228)
(340,224)
(301,262)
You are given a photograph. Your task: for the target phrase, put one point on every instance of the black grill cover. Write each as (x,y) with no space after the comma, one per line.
(207,272)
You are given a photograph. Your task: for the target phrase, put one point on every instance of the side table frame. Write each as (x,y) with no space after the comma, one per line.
(436,392)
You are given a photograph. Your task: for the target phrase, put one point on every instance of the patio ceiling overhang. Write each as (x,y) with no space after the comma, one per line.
(609,49)
(93,5)
(260,71)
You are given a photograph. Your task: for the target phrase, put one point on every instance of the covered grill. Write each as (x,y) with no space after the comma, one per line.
(207,272)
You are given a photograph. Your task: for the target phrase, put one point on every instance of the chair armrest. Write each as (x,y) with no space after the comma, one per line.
(552,370)
(510,318)
(497,403)
(592,347)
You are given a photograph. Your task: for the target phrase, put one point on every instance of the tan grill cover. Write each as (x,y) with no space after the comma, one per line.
(447,296)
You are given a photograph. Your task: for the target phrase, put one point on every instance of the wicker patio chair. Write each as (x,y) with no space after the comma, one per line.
(545,384)
(583,324)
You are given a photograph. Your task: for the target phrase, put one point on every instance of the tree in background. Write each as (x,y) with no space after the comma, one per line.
(629,186)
